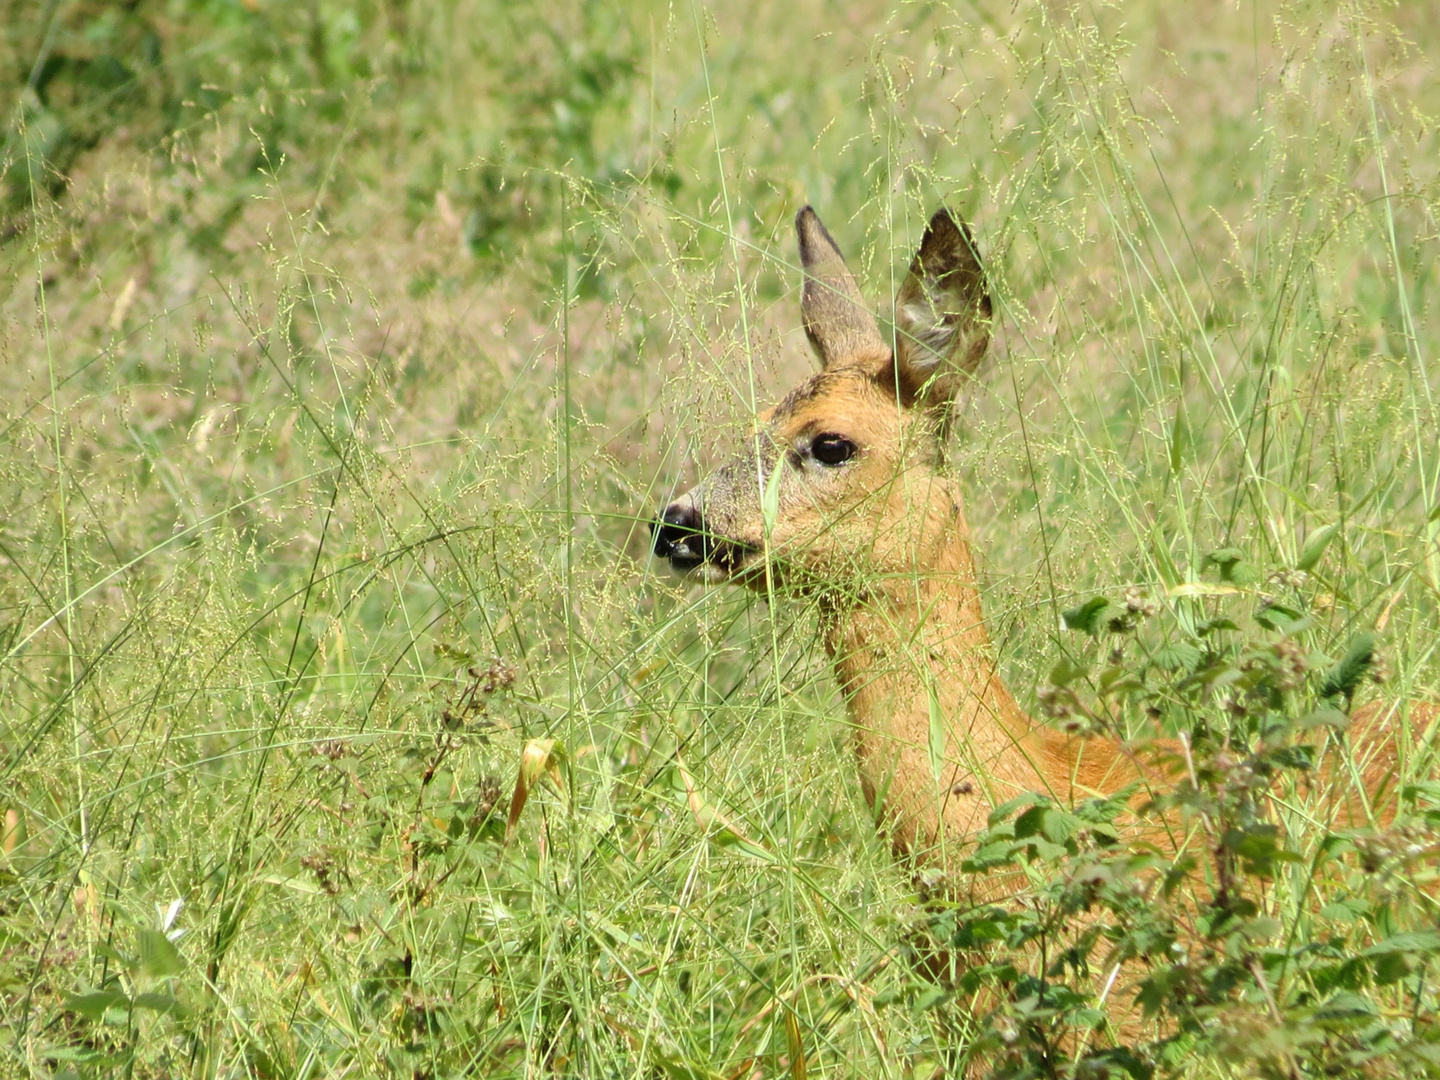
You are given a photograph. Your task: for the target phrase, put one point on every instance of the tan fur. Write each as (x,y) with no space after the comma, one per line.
(882,540)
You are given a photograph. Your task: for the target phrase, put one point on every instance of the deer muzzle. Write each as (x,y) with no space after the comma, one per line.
(679,535)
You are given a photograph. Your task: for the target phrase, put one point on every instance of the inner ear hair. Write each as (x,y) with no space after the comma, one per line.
(942,315)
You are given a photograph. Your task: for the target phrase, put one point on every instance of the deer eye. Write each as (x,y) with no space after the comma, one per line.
(832,449)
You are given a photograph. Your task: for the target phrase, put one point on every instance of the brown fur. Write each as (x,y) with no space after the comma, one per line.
(883,540)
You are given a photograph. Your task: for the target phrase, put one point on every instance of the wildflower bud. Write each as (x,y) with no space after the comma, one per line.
(500,675)
(1379,667)
(1140,604)
(1054,702)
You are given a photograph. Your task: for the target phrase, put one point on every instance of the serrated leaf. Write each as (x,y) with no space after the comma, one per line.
(1066,672)
(1177,657)
(1209,626)
(929,999)
(1343,1005)
(1286,620)
(160,1003)
(96,1004)
(1344,677)
(1088,617)
(1031,822)
(1233,566)
(1315,545)
(1058,826)
(1005,809)
(1324,718)
(1047,850)
(158,957)
(1227,556)
(1429,790)
(1347,910)
(1419,941)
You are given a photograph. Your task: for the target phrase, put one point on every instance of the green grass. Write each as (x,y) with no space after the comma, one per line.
(344,348)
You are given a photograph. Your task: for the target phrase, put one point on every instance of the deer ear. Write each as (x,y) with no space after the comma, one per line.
(942,315)
(840,327)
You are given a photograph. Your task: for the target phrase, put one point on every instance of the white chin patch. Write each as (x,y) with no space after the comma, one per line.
(711,574)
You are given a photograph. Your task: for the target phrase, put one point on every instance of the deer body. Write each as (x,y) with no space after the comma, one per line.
(939,738)
(839,494)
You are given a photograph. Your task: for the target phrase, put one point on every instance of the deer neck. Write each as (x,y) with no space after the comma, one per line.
(939,737)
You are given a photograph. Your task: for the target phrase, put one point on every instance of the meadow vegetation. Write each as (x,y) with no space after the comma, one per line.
(347,727)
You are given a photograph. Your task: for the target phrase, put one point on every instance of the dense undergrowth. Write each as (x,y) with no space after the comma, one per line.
(345,726)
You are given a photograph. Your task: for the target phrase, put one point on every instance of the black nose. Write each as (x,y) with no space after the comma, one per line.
(680,536)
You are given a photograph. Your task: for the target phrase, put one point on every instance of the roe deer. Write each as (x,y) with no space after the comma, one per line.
(839,493)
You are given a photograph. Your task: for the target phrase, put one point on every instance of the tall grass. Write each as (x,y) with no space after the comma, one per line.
(346,348)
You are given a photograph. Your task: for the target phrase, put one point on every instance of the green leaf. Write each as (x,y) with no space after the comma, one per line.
(1065,672)
(1324,718)
(1286,620)
(1177,657)
(1429,790)
(1419,941)
(1344,1005)
(1344,677)
(1088,618)
(1209,626)
(929,999)
(1347,910)
(96,1004)
(1031,822)
(1058,826)
(677,1069)
(1224,560)
(1315,545)
(1005,809)
(158,956)
(160,1003)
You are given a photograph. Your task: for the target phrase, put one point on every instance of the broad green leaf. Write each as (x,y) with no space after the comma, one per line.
(97,1003)
(1419,941)
(160,1003)
(1346,675)
(1066,672)
(158,956)
(1325,718)
(1089,617)
(1177,657)
(1315,545)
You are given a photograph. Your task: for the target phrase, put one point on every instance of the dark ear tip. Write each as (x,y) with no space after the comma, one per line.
(946,222)
(810,230)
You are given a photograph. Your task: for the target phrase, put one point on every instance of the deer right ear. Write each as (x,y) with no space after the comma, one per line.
(839,325)
(942,315)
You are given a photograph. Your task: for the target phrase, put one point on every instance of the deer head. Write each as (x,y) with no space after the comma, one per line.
(839,475)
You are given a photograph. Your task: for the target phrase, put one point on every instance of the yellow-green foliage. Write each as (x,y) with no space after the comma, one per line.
(347,347)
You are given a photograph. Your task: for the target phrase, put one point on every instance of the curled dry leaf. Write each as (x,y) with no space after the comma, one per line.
(540,758)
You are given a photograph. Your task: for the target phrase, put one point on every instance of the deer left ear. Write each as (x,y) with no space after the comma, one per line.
(942,315)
